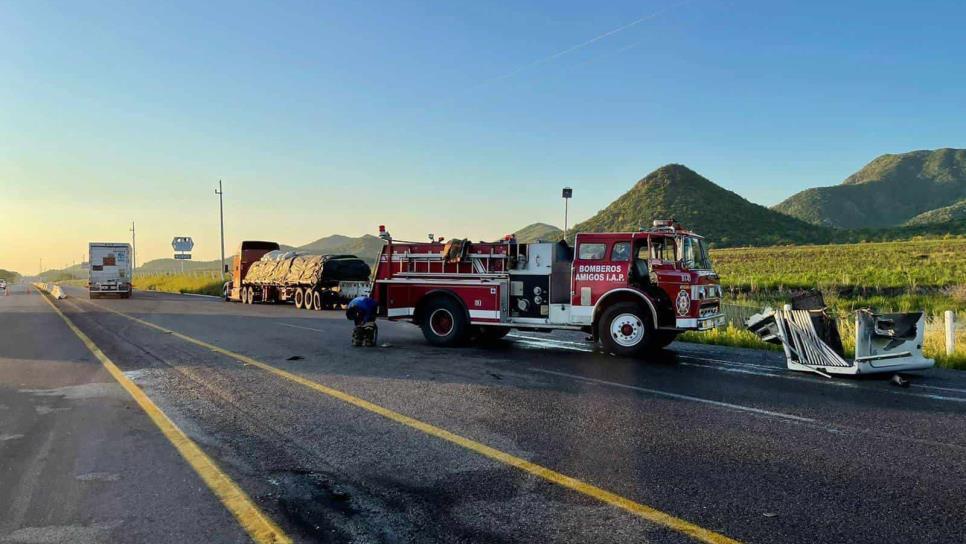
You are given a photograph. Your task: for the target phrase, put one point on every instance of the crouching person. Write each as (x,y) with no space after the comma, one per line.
(362,310)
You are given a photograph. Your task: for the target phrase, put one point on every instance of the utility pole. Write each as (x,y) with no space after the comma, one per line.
(221,213)
(566,194)
(134,251)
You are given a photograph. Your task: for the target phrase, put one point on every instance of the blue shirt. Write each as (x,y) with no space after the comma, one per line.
(362,310)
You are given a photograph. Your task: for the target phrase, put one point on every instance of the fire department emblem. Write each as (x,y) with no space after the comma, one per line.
(683,303)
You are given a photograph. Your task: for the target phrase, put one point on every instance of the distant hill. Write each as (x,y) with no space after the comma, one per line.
(723,217)
(9,275)
(537,232)
(941,215)
(889,191)
(366,247)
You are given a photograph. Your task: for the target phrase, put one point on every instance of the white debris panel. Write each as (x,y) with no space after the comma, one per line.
(883,342)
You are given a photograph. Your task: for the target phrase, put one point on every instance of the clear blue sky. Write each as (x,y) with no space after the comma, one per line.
(460,118)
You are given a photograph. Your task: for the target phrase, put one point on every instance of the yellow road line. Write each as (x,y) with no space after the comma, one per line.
(258,526)
(642,510)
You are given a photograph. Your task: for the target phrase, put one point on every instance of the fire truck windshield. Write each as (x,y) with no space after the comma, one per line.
(694,254)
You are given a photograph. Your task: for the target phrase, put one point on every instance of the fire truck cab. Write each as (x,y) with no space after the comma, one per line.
(631,291)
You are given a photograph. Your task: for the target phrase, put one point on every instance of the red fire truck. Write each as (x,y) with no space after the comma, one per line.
(632,291)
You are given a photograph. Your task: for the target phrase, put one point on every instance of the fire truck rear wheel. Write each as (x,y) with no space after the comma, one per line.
(251,295)
(444,322)
(625,329)
(316,301)
(243,295)
(299,298)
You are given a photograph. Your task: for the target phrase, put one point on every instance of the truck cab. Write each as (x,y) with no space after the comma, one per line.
(632,291)
(249,251)
(665,271)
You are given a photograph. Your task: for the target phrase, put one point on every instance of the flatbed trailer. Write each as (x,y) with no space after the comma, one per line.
(293,278)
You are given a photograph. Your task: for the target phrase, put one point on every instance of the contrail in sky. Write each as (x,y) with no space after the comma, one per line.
(582,45)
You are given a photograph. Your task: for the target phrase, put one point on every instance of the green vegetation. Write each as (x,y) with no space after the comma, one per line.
(888,191)
(922,274)
(9,275)
(928,274)
(202,284)
(725,218)
(537,232)
(956,212)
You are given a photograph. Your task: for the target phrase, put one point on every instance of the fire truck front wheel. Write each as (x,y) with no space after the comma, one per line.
(626,329)
(444,322)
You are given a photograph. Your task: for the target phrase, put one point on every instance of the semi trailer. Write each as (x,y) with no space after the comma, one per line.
(110,269)
(262,273)
(631,291)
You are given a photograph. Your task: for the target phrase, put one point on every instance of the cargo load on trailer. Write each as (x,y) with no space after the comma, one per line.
(631,291)
(263,273)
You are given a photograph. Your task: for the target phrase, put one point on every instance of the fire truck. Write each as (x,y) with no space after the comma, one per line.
(631,291)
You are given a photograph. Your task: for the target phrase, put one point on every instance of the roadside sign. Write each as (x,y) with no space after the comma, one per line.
(182,243)
(184,256)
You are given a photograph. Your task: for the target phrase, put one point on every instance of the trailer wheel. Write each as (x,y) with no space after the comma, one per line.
(307,298)
(299,298)
(625,329)
(316,301)
(444,322)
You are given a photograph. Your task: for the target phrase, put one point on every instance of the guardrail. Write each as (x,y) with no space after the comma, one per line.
(53,289)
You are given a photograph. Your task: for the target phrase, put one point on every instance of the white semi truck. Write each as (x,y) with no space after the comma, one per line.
(110,269)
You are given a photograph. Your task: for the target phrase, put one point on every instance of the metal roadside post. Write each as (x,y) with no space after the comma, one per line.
(950,331)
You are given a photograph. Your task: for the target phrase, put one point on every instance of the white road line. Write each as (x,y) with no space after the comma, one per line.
(299,327)
(679,396)
(751,369)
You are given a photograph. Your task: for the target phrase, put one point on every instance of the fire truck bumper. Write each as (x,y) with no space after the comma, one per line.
(700,323)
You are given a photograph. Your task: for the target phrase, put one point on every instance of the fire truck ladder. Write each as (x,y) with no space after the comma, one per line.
(482,264)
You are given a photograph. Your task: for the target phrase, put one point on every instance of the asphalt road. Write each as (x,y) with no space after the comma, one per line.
(337,444)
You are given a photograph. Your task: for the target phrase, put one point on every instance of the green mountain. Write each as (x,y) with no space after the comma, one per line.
(723,217)
(956,212)
(537,232)
(889,191)
(9,275)
(366,247)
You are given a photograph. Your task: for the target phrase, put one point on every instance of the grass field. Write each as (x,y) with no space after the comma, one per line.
(927,275)
(202,284)
(872,266)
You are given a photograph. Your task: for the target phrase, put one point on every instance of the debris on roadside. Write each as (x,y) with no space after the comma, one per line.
(810,337)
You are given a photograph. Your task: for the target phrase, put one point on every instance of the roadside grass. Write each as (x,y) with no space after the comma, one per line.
(186,283)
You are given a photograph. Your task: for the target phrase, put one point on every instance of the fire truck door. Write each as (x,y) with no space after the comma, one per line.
(595,273)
